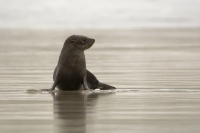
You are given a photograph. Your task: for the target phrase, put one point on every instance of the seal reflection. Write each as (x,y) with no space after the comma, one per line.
(70,110)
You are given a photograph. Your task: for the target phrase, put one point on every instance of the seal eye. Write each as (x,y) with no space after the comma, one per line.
(72,41)
(83,40)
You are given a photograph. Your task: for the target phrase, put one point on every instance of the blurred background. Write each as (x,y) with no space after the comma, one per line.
(98,14)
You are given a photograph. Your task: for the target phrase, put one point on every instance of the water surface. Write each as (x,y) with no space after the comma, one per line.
(156,72)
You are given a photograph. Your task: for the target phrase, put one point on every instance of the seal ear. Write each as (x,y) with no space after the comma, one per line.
(72,41)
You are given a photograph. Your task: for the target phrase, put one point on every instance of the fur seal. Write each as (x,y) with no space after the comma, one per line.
(71,72)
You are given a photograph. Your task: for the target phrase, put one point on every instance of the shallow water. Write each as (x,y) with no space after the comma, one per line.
(143,111)
(156,72)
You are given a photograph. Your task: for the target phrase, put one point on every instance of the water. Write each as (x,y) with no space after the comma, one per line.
(156,72)
(110,14)
(141,111)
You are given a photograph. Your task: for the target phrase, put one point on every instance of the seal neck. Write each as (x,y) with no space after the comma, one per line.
(71,55)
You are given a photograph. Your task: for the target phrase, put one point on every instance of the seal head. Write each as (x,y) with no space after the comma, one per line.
(79,42)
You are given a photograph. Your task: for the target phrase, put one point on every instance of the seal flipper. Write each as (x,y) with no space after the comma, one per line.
(93,83)
(90,81)
(85,84)
(103,86)
(53,86)
(55,78)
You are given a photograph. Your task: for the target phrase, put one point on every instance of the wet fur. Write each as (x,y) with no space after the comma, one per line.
(71,72)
